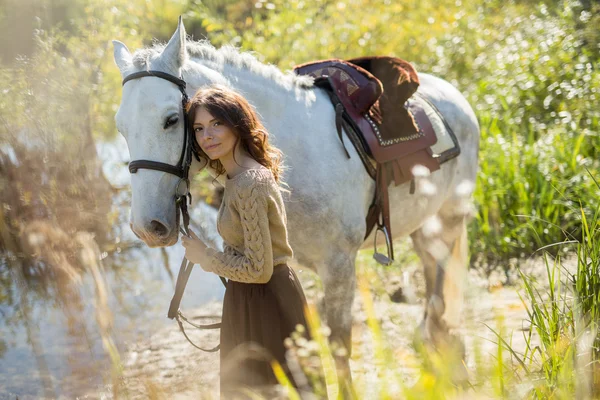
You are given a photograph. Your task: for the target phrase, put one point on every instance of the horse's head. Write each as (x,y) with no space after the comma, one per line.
(151,119)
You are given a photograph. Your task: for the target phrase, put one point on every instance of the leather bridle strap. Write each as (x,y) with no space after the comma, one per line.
(158,166)
(182,167)
(175,312)
(178,81)
(180,170)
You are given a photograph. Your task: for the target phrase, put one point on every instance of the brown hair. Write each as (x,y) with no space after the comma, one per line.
(233,110)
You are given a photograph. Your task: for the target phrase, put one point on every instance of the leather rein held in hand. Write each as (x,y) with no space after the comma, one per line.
(181,199)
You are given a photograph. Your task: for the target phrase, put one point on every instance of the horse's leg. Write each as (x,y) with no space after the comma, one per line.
(339,283)
(444,259)
(444,255)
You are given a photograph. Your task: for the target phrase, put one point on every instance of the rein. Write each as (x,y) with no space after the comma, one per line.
(181,170)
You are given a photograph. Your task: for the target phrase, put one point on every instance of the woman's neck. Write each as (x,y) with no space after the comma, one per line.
(235,166)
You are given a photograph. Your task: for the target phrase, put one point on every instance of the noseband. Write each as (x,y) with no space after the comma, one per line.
(181,169)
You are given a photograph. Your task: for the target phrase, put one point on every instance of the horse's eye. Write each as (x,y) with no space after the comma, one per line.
(170,121)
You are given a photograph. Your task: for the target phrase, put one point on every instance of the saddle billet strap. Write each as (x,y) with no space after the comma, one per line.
(355,139)
(345,122)
(325,83)
(339,115)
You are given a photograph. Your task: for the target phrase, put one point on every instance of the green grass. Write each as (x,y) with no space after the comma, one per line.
(562,353)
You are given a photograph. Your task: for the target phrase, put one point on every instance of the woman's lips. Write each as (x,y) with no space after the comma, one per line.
(212,146)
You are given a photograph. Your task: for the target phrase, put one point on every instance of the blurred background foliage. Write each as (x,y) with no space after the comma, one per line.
(529,69)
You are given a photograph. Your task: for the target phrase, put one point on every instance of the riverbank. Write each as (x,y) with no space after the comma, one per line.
(167,366)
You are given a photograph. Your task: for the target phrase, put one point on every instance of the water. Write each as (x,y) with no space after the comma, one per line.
(52,348)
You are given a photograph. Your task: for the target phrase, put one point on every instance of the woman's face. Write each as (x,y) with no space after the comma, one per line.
(215,138)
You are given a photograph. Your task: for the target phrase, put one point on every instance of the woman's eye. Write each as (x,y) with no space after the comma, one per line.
(171,121)
(217,123)
(198,129)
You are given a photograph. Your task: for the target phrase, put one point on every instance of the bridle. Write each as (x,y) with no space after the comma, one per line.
(181,170)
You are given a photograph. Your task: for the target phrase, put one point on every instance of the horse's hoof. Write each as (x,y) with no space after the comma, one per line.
(443,352)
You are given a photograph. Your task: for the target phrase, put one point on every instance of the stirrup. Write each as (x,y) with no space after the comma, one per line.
(379,257)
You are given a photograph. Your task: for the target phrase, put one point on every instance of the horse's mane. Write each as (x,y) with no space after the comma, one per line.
(202,50)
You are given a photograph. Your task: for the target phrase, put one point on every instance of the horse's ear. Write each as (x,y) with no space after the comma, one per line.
(123,58)
(174,54)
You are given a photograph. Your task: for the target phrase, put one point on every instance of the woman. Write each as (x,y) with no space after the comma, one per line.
(263,300)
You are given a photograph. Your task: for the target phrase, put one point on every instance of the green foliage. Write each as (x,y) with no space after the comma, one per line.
(562,344)
(533,83)
(287,33)
(539,134)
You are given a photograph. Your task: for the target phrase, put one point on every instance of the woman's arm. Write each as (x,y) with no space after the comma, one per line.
(255,265)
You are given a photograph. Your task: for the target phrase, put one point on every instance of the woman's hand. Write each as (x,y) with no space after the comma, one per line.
(195,250)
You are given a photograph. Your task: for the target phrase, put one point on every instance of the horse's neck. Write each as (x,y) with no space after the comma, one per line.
(276,105)
(270,98)
(267,96)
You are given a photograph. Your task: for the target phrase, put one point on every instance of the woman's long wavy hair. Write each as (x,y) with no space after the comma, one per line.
(233,110)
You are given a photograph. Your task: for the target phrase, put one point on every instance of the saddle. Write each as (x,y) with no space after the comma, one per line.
(390,133)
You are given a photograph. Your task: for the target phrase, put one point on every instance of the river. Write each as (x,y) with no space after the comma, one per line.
(54,348)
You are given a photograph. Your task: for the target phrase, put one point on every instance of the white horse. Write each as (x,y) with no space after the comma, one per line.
(330,194)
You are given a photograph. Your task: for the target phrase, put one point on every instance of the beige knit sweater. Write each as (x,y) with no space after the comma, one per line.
(252,223)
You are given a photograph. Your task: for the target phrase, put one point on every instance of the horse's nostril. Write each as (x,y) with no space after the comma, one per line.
(159,229)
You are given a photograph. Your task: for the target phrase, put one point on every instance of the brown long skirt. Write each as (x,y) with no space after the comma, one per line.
(256,320)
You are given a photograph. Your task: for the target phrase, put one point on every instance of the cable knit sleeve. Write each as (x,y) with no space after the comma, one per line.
(227,249)
(255,265)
